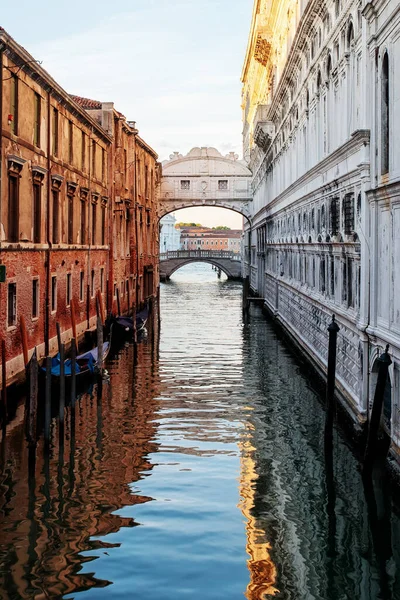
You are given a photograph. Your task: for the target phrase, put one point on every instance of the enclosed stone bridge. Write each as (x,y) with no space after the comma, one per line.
(204,177)
(229,262)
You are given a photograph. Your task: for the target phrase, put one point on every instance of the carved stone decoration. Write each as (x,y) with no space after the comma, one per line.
(262,50)
(71,188)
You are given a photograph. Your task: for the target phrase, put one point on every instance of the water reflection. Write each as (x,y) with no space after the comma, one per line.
(198,469)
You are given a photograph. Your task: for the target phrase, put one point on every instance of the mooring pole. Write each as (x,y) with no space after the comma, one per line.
(134,324)
(4,380)
(33,392)
(47,407)
(62,376)
(100,345)
(384,363)
(333,330)
(118,302)
(73,372)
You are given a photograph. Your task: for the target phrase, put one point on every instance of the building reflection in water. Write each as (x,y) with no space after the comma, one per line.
(263,574)
(54,505)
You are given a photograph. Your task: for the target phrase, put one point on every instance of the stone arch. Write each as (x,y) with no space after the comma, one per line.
(200,260)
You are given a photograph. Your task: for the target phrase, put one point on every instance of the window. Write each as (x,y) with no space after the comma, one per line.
(35,298)
(83,150)
(13,208)
(322,275)
(102,280)
(93,158)
(348,212)
(334,216)
(53,293)
(69,288)
(146,181)
(93,224)
(103,225)
(185,184)
(12,304)
(92,283)
(82,285)
(70,142)
(115,290)
(14,104)
(222,184)
(54,131)
(385,115)
(37,210)
(56,216)
(125,165)
(36,122)
(83,222)
(70,201)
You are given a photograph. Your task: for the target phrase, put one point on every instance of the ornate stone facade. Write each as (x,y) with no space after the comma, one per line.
(319,114)
(205,178)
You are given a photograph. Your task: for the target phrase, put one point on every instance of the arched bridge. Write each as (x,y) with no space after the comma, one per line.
(229,262)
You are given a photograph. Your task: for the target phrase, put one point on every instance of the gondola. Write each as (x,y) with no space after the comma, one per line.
(86,365)
(123,325)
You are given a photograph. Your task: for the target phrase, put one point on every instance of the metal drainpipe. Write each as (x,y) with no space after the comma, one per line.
(49,245)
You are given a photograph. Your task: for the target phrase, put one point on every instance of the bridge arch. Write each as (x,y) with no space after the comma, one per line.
(227,261)
(204,177)
(208,261)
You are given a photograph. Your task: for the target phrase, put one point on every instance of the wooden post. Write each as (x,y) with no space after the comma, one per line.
(384,363)
(134,324)
(33,392)
(4,379)
(62,376)
(333,330)
(73,372)
(24,338)
(73,317)
(101,306)
(118,302)
(246,289)
(99,345)
(47,408)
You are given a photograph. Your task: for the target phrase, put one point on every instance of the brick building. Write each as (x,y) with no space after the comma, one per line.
(67,181)
(134,227)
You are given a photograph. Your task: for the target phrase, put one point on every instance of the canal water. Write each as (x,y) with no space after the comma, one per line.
(198,473)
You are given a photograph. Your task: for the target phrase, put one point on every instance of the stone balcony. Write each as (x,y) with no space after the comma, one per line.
(264,130)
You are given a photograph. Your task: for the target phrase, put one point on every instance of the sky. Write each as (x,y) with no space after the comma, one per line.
(173,66)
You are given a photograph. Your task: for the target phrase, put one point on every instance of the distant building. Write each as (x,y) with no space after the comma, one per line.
(170,236)
(202,238)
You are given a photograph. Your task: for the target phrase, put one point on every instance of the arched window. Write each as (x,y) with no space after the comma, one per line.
(328,67)
(348,213)
(385,115)
(323,217)
(334,216)
(319,81)
(350,36)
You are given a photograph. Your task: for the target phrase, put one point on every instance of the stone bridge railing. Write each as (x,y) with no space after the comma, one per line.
(200,254)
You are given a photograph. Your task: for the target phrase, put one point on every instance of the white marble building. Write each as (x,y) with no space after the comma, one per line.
(170,236)
(321,107)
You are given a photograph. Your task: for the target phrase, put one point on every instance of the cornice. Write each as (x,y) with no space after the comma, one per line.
(359,138)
